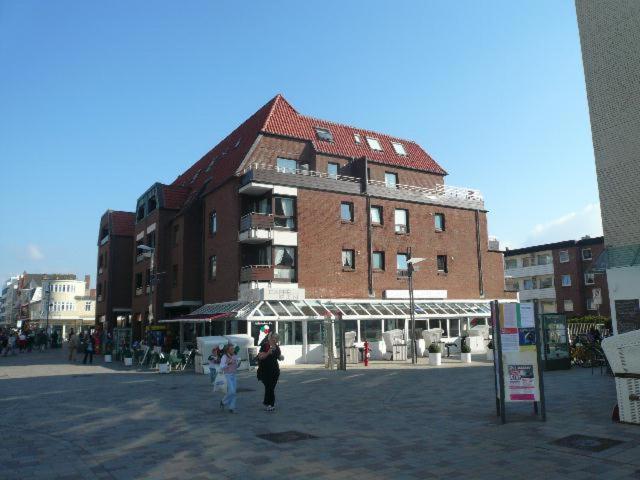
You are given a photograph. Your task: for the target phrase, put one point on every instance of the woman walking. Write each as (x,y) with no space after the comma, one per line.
(90,346)
(269,370)
(73,345)
(229,366)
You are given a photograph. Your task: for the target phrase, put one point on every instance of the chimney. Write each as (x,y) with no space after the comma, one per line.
(87,282)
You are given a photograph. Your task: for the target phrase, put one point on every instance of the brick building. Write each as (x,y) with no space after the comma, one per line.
(292,207)
(560,276)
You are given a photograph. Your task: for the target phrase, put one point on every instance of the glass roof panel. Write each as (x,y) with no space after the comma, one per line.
(306,309)
(279,309)
(359,309)
(266,310)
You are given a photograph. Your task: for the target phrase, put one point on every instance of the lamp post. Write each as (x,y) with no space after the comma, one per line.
(151,253)
(412,307)
(48,292)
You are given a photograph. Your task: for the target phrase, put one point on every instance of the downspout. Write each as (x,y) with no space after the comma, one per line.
(479,253)
(369,229)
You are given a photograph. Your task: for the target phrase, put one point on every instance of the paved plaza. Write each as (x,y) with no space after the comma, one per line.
(62,421)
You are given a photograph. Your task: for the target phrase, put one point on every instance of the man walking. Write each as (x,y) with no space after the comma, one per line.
(73,345)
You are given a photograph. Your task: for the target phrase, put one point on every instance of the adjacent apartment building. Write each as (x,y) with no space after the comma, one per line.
(611,58)
(560,276)
(294,208)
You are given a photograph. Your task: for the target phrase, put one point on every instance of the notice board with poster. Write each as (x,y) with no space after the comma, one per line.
(517,356)
(627,315)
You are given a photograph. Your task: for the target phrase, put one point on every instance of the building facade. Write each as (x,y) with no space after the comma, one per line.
(293,207)
(560,276)
(611,58)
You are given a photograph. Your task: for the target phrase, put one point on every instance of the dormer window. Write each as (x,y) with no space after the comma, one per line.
(141,212)
(324,134)
(152,204)
(357,139)
(374,144)
(399,148)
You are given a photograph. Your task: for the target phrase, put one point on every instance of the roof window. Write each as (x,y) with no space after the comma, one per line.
(237,144)
(399,148)
(374,144)
(357,139)
(324,134)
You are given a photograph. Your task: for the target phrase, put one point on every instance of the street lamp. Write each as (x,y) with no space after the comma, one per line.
(412,307)
(149,252)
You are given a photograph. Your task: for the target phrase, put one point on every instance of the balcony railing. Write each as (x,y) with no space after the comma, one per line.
(256,273)
(538,293)
(443,194)
(530,271)
(256,220)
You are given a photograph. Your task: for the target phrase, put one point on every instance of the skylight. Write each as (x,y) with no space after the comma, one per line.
(399,148)
(374,144)
(324,134)
(357,139)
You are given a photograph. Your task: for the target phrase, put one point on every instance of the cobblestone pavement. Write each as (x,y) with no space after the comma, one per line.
(62,421)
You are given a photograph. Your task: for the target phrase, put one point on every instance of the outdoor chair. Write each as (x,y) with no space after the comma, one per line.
(175,359)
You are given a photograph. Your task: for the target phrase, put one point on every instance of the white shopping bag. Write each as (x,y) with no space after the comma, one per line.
(220,384)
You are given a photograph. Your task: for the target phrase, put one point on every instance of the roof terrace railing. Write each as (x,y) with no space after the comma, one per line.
(299,171)
(446,194)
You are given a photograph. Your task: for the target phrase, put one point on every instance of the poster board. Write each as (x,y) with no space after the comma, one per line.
(517,356)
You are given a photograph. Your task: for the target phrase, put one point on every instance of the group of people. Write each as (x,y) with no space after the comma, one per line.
(87,343)
(14,341)
(224,360)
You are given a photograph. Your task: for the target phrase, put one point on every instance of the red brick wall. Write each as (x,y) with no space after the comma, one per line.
(405,176)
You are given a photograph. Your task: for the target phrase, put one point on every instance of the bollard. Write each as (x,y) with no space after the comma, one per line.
(366,353)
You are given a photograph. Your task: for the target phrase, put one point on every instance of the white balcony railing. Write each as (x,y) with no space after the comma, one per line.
(538,294)
(439,193)
(299,171)
(532,271)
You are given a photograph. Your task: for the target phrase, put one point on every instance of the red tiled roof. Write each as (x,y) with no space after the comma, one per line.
(122,223)
(285,120)
(278,117)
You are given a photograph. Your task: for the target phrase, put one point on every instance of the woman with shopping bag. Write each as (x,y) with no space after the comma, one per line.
(229,366)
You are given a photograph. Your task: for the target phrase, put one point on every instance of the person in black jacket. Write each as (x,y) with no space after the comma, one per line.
(268,369)
(90,347)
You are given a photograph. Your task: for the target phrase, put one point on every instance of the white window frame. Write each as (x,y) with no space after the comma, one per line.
(374,144)
(590,304)
(401,227)
(399,148)
(570,302)
(357,138)
(561,256)
(590,254)
(563,280)
(591,276)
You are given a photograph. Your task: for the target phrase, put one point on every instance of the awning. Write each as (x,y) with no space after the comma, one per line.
(283,310)
(212,311)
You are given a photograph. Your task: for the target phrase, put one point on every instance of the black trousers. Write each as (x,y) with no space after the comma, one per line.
(270,382)
(90,355)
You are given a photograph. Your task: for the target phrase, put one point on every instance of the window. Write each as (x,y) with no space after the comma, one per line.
(332,169)
(510,263)
(526,262)
(546,282)
(285,212)
(590,304)
(371,330)
(290,333)
(399,148)
(284,257)
(442,263)
(374,144)
(438,219)
(377,260)
(152,204)
(401,262)
(568,305)
(87,306)
(213,265)
(586,254)
(511,285)
(151,240)
(138,280)
(174,275)
(140,214)
(391,179)
(346,211)
(401,217)
(566,280)
(324,134)
(544,259)
(99,289)
(286,165)
(176,229)
(376,215)
(394,324)
(357,139)
(528,284)
(564,256)
(589,279)
(314,332)
(148,276)
(213,222)
(348,259)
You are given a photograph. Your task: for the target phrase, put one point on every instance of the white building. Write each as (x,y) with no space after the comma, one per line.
(610,40)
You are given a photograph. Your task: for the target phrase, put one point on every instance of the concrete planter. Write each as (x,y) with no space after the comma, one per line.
(465,357)
(107,359)
(164,368)
(128,362)
(435,358)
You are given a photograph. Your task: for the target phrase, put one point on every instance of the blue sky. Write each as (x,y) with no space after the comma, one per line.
(101,99)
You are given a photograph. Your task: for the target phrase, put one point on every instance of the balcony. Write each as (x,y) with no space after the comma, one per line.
(538,294)
(256,228)
(440,194)
(532,271)
(259,177)
(104,240)
(256,273)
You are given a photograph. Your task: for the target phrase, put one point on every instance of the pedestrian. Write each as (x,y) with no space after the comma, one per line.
(54,339)
(12,342)
(268,369)
(22,342)
(229,365)
(214,362)
(89,347)
(42,340)
(73,345)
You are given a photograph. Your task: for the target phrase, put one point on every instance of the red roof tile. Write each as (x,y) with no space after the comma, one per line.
(174,196)
(122,223)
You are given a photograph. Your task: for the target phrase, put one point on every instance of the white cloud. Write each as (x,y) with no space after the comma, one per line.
(570,226)
(34,252)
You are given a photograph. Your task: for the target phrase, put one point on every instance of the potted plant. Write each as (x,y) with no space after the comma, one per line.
(465,352)
(490,350)
(163,363)
(127,354)
(108,350)
(435,354)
